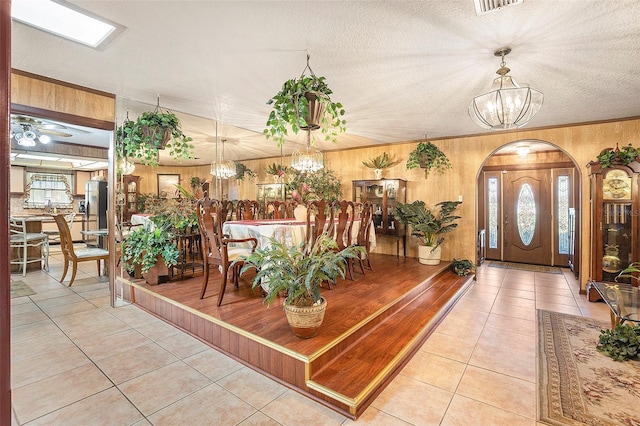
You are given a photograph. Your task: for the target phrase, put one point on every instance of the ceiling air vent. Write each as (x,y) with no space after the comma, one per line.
(486,6)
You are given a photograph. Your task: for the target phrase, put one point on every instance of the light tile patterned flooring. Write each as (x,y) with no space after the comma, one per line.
(77,361)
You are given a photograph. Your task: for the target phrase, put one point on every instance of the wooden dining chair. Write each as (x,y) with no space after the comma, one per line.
(345,215)
(362,239)
(218,251)
(75,256)
(278,210)
(228,210)
(54,234)
(319,220)
(247,210)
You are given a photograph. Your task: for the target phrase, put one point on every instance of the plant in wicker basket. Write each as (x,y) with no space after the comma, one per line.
(299,272)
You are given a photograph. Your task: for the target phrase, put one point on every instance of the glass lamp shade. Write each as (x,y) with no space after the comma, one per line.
(127,167)
(27,138)
(506,105)
(223,169)
(309,160)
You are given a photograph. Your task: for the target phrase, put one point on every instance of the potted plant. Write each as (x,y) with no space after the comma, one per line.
(299,272)
(428,156)
(152,131)
(462,267)
(277,171)
(428,226)
(242,170)
(153,250)
(379,163)
(304,103)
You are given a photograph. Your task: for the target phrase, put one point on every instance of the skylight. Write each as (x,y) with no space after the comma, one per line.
(66,20)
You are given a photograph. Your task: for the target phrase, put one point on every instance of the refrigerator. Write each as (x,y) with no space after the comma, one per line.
(95,215)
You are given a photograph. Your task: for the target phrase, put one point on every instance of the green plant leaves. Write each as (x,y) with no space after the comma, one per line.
(621,343)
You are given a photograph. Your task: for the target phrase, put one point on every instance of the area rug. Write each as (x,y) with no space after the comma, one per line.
(577,385)
(525,267)
(20,289)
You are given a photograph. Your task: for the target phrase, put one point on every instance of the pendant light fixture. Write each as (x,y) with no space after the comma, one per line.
(223,169)
(507,105)
(309,159)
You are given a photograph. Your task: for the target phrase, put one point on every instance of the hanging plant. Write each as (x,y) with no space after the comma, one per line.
(152,131)
(428,156)
(242,170)
(278,170)
(304,103)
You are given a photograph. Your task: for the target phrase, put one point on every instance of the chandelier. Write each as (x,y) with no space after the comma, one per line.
(308,160)
(507,105)
(28,137)
(223,169)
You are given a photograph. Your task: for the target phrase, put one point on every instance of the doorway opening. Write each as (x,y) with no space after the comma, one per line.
(529,205)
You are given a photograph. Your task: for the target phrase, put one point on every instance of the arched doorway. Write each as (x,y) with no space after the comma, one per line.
(528,202)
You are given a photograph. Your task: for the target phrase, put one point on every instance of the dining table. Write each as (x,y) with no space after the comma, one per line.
(290,232)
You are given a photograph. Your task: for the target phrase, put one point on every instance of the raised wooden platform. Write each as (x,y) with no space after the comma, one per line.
(372,327)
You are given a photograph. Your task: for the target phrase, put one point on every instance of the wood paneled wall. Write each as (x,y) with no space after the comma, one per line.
(581,143)
(52,95)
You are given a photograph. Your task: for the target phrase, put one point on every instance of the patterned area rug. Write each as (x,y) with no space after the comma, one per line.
(20,289)
(577,384)
(525,267)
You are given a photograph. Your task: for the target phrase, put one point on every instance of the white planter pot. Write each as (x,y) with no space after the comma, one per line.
(426,257)
(377,173)
(300,213)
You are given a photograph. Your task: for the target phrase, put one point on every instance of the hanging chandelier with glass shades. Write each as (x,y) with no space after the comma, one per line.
(309,159)
(507,105)
(223,169)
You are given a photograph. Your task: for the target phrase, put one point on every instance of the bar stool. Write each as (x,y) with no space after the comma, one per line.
(22,240)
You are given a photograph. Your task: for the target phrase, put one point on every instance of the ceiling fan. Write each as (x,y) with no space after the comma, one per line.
(27,130)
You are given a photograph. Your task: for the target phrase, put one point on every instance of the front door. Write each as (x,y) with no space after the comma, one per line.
(527,218)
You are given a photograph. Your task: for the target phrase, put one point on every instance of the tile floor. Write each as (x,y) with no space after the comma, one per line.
(77,361)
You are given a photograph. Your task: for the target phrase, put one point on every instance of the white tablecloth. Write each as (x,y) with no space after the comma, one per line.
(288,231)
(141,219)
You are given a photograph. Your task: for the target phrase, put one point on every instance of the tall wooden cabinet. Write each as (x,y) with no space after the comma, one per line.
(615,204)
(384,194)
(129,196)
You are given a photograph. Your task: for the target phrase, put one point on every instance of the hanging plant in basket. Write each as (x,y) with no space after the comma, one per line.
(429,157)
(152,131)
(304,103)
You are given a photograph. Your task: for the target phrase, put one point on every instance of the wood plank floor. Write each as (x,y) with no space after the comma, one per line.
(378,320)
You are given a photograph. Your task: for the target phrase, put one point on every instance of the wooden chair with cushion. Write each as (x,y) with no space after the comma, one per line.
(218,251)
(247,210)
(21,241)
(54,235)
(278,210)
(74,256)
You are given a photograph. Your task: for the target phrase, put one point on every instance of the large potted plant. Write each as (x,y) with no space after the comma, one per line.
(298,272)
(379,163)
(153,130)
(304,103)
(429,157)
(153,250)
(428,226)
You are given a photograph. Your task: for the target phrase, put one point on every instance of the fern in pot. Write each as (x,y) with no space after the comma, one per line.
(299,272)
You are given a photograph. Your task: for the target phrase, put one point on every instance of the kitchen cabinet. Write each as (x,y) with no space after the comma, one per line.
(614,221)
(18,176)
(384,194)
(80,180)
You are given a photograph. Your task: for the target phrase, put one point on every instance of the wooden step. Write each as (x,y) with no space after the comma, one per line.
(355,374)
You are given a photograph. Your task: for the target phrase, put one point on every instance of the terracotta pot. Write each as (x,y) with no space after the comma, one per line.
(426,257)
(306,320)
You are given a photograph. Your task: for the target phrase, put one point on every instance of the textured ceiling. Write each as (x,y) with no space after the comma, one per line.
(401,68)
